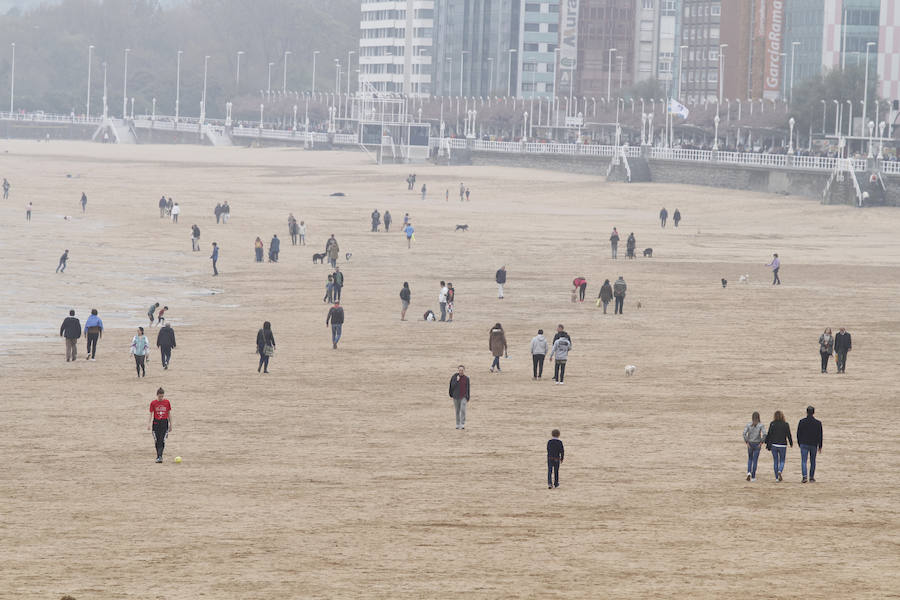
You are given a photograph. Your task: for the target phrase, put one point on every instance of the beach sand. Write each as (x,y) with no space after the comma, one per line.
(340,474)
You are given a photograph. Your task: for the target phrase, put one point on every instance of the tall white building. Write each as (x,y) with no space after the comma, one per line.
(395,46)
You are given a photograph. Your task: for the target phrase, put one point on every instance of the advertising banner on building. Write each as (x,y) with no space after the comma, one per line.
(774,45)
(568,44)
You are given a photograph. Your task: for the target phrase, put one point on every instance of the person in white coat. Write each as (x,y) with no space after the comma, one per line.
(538,352)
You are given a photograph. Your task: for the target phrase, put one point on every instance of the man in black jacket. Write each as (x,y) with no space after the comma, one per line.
(71,329)
(809,437)
(336,318)
(460,391)
(165,341)
(501,279)
(842,347)
(338,279)
(561,332)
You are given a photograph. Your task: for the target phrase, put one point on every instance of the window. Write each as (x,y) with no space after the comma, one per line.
(553,27)
(424,13)
(714,54)
(713,77)
(648,4)
(714,33)
(554,8)
(532,7)
(527,87)
(552,47)
(715,11)
(532,47)
(532,26)
(529,67)
(548,87)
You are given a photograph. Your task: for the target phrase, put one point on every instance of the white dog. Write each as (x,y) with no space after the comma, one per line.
(629,370)
(745,279)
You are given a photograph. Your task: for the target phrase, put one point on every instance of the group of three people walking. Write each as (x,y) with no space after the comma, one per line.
(778,438)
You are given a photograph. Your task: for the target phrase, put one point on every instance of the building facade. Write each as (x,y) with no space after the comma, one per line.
(395,46)
(700,33)
(477,47)
(606,47)
(539,40)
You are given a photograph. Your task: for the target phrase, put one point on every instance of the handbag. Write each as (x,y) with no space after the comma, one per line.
(268,349)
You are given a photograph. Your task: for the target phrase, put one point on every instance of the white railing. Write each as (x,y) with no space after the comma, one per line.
(681,154)
(818,163)
(48,117)
(343,138)
(890,168)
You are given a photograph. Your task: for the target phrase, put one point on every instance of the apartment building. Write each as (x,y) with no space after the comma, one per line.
(700,32)
(537,52)
(606,47)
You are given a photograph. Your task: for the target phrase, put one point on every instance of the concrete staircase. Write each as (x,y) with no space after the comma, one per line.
(640,170)
(217,136)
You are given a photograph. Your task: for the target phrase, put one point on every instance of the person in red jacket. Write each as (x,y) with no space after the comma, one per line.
(160,422)
(580,284)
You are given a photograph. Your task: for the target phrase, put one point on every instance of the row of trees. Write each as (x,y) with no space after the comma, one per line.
(51,50)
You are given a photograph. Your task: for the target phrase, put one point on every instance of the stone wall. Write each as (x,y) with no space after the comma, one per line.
(38,130)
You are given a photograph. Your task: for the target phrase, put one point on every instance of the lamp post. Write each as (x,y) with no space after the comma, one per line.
(125,83)
(643,128)
(791,123)
(739,108)
(716,140)
(105,106)
(509,73)
(178,86)
(337,75)
(12,80)
(462,69)
(90,59)
(824,116)
(203,97)
(269,80)
(284,74)
(132,108)
(621,69)
(722,70)
(866,84)
(850,127)
(881,127)
(793,50)
(349,54)
(609,75)
(237,73)
(871,133)
(313,87)
(837,124)
(491,76)
(525,126)
(682,50)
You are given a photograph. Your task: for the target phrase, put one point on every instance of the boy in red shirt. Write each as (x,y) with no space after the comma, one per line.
(160,422)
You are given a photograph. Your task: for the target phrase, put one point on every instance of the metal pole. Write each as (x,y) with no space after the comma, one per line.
(105,106)
(609,75)
(793,50)
(125,85)
(178,86)
(866,85)
(313,87)
(90,57)
(509,75)
(284,76)
(237,75)
(349,54)
(721,73)
(12,80)
(203,99)
(491,76)
(680,68)
(269,80)
(462,69)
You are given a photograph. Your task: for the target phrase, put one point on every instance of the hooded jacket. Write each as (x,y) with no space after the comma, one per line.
(606,292)
(498,342)
(619,287)
(539,344)
(165,338)
(561,347)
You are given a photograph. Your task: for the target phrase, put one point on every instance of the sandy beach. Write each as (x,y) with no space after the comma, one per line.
(340,473)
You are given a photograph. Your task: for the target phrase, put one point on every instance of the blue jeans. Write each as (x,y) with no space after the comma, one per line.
(443,306)
(778,456)
(752,458)
(336,332)
(496,363)
(552,472)
(811,451)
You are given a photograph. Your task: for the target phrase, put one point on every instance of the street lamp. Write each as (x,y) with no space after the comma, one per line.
(866,84)
(125,85)
(337,75)
(490,76)
(313,87)
(791,123)
(716,141)
(462,69)
(12,79)
(237,74)
(178,86)
(105,106)
(203,97)
(850,128)
(609,75)
(349,54)
(722,70)
(837,124)
(269,80)
(90,58)
(284,76)
(881,127)
(793,50)
(509,74)
(681,53)
(871,133)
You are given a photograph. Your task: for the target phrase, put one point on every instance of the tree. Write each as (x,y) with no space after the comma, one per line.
(843,86)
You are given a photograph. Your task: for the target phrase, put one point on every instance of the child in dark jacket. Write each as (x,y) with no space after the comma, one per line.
(555,455)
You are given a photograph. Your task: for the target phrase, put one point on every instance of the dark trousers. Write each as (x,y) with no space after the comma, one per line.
(375,225)
(825,357)
(160,433)
(215,270)
(776,280)
(293,239)
(496,363)
(61,266)
(662,221)
(537,363)
(166,354)
(841,360)
(559,370)
(615,250)
(387,226)
(92,344)
(552,471)
(259,256)
(581,291)
(139,365)
(263,360)
(620,304)
(337,292)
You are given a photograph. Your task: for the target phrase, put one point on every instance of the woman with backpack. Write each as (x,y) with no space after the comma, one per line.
(265,346)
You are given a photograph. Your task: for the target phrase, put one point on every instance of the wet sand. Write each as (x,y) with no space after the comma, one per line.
(340,475)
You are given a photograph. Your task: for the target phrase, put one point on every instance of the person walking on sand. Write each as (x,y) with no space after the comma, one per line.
(336,319)
(218,211)
(215,258)
(376,220)
(451,296)
(151,312)
(826,347)
(301,230)
(387,221)
(467,194)
(332,249)
(619,289)
(676,217)
(274,248)
(424,191)
(754,435)
(258,249)
(165,341)
(292,228)
(497,344)
(140,348)
(71,330)
(162,207)
(538,352)
(462,191)
(338,279)
(160,316)
(93,329)
(176,210)
(160,422)
(265,346)
(560,351)
(442,301)
(226,212)
(663,216)
(83,202)
(556,453)
(809,438)
(61,267)
(28,211)
(630,244)
(606,294)
(614,242)
(842,346)
(405,295)
(5,189)
(329,290)
(777,440)
(410,233)
(500,278)
(776,265)
(195,238)
(461,392)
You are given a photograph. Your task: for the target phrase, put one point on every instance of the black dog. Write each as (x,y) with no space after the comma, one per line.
(319,257)
(724,282)
(648,252)
(462,227)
